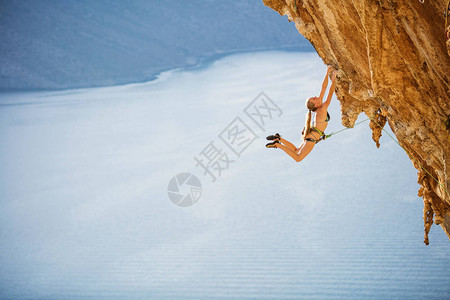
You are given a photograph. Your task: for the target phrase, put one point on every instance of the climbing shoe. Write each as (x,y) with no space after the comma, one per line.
(275,137)
(272,145)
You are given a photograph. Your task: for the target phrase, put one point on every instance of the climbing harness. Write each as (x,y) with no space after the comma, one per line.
(323,136)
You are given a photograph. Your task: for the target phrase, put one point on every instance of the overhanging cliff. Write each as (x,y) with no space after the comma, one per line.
(393,66)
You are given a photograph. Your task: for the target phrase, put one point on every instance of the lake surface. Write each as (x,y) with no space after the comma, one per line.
(85,211)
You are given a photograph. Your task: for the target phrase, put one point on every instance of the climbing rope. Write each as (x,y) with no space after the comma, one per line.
(382,128)
(347,128)
(412,157)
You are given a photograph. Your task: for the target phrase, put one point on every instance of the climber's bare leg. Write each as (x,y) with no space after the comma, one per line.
(290,152)
(304,149)
(301,153)
(288,144)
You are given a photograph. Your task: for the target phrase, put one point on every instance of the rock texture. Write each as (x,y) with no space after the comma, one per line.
(393,66)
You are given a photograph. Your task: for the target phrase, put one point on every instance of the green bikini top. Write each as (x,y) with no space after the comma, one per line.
(327,119)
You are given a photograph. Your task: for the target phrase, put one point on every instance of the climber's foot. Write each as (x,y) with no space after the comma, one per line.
(274,137)
(272,145)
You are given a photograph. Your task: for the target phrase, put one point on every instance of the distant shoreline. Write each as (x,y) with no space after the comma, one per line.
(200,63)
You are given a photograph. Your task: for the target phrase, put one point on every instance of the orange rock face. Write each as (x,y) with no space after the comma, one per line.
(393,66)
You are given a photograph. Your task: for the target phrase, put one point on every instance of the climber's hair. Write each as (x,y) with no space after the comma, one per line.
(310,107)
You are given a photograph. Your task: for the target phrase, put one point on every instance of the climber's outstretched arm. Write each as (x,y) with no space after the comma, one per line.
(331,91)
(325,83)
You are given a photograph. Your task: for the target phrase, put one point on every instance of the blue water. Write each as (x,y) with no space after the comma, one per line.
(85,214)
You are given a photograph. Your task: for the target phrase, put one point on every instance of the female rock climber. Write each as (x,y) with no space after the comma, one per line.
(311,134)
